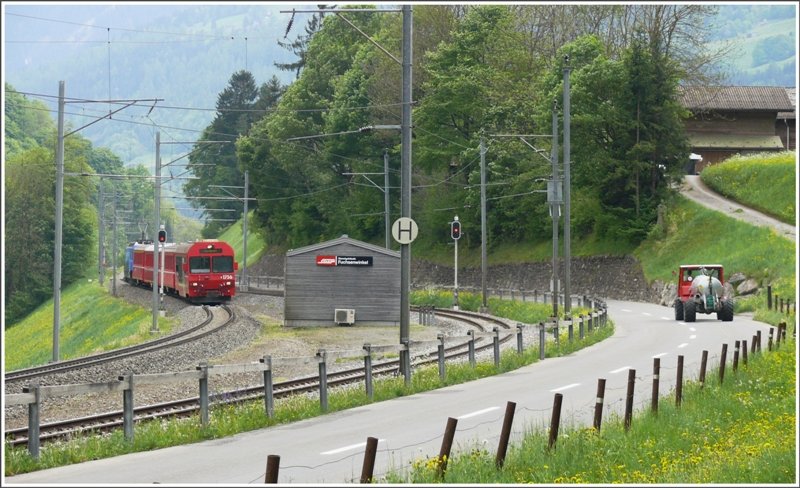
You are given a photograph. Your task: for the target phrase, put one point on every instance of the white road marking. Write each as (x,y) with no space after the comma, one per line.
(693,336)
(666,318)
(566,387)
(661,355)
(351,447)
(625,310)
(619,370)
(692,329)
(683,345)
(647,314)
(479,412)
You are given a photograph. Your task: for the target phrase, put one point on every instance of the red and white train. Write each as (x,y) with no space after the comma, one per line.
(203,271)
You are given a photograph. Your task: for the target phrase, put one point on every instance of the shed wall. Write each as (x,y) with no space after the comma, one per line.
(312,292)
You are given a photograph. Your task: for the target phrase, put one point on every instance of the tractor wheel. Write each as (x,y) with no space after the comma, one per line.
(726,314)
(689,313)
(678,305)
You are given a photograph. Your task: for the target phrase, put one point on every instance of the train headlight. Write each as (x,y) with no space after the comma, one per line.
(228,283)
(194,283)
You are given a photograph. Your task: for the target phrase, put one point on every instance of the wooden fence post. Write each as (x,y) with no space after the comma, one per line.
(744,352)
(735,356)
(369,460)
(679,383)
(269,399)
(447,444)
(654,396)
(598,404)
(519,338)
(580,327)
(505,434)
(629,398)
(722,363)
(273,465)
(703,363)
(555,420)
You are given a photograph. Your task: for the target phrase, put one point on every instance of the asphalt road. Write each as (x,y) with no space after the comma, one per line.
(330,448)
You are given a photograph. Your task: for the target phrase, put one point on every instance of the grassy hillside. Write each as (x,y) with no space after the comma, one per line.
(766,182)
(255,243)
(91,321)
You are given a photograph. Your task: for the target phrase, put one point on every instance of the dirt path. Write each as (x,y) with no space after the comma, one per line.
(694,189)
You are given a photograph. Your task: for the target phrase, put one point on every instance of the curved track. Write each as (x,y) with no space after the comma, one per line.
(172,340)
(186,407)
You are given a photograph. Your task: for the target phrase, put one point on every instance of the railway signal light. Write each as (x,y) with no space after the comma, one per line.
(455,229)
(162,236)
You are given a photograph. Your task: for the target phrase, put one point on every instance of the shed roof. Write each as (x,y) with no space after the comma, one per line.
(743,98)
(342,240)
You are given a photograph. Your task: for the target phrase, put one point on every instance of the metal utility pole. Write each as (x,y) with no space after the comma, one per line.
(101,234)
(554,197)
(405,180)
(114,252)
(455,231)
(243,282)
(387,223)
(484,307)
(156,226)
(59,222)
(567,250)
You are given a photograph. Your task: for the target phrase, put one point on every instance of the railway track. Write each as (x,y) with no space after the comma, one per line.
(194,333)
(107,422)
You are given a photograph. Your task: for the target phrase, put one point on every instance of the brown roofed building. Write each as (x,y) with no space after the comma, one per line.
(727,120)
(785,126)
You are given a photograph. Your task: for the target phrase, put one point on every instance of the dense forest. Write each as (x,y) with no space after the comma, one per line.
(479,71)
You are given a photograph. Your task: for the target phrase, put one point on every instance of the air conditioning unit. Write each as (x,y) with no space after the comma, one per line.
(344,316)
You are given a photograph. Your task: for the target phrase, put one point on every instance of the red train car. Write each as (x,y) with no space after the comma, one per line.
(203,271)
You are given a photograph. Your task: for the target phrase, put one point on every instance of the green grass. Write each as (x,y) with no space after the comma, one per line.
(766,182)
(91,321)
(229,420)
(741,431)
(234,236)
(696,235)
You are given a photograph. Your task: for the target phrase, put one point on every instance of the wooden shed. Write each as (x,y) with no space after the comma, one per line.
(727,120)
(342,282)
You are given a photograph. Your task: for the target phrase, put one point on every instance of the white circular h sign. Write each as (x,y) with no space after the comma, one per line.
(404,230)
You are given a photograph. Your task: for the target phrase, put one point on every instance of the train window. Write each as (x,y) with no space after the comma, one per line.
(199,264)
(222,264)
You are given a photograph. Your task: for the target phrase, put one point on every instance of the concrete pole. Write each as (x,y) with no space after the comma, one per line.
(387,222)
(101,234)
(484,307)
(59,222)
(244,231)
(405,201)
(567,242)
(156,226)
(455,271)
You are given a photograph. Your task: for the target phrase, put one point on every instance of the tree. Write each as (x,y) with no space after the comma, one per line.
(299,47)
(215,163)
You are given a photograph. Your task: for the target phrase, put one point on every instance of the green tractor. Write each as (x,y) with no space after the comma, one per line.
(701,290)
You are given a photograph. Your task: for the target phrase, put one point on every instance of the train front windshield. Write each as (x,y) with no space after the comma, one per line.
(217,264)
(222,264)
